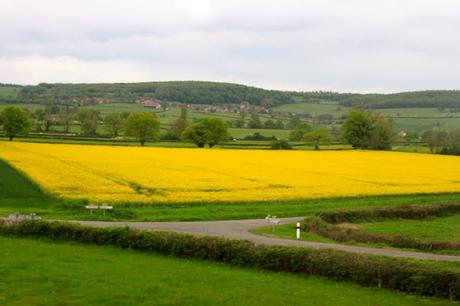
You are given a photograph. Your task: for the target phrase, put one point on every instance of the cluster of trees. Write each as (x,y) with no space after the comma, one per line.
(143,126)
(443,142)
(255,122)
(368,130)
(423,99)
(189,92)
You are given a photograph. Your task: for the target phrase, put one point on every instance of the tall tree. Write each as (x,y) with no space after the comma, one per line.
(435,139)
(357,129)
(180,124)
(15,122)
(317,137)
(144,126)
(88,119)
(196,133)
(218,130)
(113,123)
(209,131)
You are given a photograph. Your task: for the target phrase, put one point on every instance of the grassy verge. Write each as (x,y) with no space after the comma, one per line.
(72,274)
(436,229)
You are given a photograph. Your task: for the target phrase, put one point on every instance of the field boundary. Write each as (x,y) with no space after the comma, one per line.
(326,224)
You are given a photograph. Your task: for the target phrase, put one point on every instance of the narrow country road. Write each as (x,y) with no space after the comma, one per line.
(240,229)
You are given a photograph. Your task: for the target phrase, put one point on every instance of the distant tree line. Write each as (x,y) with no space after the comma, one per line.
(442,141)
(420,99)
(189,92)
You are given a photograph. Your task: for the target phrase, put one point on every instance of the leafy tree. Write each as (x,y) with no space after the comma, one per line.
(114,123)
(279,124)
(357,129)
(197,133)
(88,119)
(435,139)
(281,145)
(382,134)
(238,123)
(366,130)
(209,131)
(15,122)
(269,124)
(218,130)
(179,125)
(143,126)
(254,121)
(294,123)
(296,135)
(317,137)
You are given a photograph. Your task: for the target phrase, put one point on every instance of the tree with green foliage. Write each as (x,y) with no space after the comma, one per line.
(317,137)
(382,134)
(113,123)
(357,129)
(281,145)
(435,139)
(218,130)
(366,130)
(294,123)
(196,133)
(144,126)
(296,135)
(15,122)
(88,119)
(209,131)
(255,122)
(179,125)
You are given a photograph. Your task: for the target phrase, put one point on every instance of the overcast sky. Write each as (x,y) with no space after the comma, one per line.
(340,45)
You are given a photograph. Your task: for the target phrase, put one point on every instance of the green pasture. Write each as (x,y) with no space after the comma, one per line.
(52,273)
(314,109)
(436,229)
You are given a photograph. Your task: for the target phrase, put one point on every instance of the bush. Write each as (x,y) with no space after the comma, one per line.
(281,145)
(365,270)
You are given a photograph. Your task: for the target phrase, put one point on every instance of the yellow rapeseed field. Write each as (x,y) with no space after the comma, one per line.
(134,174)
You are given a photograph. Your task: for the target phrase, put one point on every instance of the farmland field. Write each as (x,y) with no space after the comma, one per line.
(437,229)
(154,175)
(73,274)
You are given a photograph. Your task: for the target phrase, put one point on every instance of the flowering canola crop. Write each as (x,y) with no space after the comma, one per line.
(152,175)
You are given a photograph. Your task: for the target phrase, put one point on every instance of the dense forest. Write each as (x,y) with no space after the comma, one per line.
(198,92)
(423,99)
(192,92)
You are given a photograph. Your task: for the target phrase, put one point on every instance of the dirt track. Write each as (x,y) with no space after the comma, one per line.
(239,229)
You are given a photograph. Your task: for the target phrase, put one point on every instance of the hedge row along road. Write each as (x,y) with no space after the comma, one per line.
(240,229)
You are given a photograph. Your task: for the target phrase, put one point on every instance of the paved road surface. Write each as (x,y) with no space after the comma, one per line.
(239,229)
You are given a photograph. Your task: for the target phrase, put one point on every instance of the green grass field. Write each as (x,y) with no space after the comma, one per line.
(51,273)
(314,109)
(436,229)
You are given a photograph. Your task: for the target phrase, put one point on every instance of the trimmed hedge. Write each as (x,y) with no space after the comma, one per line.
(362,269)
(320,227)
(397,212)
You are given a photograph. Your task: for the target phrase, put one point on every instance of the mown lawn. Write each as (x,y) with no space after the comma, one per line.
(50,273)
(436,229)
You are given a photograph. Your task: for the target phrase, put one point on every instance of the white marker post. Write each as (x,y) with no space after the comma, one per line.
(297,231)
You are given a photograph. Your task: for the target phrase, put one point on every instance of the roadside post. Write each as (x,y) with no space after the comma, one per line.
(105,208)
(91,208)
(297,231)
